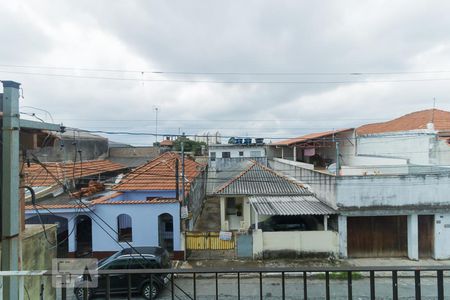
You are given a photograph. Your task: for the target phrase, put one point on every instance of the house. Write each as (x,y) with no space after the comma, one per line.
(132,156)
(70,145)
(237,150)
(142,210)
(258,193)
(391,188)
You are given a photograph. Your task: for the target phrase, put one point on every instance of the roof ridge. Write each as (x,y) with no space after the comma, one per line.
(135,174)
(283,176)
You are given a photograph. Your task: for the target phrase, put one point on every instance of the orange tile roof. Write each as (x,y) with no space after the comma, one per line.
(310,136)
(413,121)
(37,175)
(167,143)
(159,174)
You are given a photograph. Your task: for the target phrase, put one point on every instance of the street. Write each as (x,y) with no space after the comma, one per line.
(272,288)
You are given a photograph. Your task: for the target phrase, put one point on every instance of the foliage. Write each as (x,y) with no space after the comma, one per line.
(189,145)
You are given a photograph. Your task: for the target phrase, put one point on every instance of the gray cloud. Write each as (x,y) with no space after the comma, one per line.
(231,36)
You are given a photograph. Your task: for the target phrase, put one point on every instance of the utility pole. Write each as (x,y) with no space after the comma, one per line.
(156,124)
(338,165)
(11,249)
(182,171)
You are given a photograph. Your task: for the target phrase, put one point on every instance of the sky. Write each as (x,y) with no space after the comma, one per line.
(273,69)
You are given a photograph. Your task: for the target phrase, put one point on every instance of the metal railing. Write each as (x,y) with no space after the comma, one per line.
(205,283)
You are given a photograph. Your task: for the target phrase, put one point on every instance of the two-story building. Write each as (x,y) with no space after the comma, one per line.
(391,189)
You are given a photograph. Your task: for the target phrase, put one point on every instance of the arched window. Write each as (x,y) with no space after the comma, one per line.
(124,228)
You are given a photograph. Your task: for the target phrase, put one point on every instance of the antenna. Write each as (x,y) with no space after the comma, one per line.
(434,107)
(156,123)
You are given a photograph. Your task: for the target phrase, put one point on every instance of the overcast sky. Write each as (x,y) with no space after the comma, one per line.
(82,41)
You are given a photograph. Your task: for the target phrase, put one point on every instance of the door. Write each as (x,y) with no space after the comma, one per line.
(426,236)
(384,236)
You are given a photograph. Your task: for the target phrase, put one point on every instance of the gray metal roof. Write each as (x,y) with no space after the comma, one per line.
(289,205)
(260,180)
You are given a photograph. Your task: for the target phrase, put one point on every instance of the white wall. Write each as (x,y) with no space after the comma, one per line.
(442,236)
(298,241)
(144,223)
(234,151)
(393,190)
(414,146)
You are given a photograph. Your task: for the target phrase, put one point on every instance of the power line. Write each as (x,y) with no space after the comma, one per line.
(293,73)
(225,81)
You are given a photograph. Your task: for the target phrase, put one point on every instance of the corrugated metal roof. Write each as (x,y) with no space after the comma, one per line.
(289,205)
(260,180)
(310,136)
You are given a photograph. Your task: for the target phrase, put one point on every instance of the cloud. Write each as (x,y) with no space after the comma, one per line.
(231,36)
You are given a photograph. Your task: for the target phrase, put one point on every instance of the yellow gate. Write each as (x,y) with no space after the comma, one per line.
(208,241)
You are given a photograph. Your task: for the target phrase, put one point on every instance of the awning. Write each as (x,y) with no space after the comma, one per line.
(289,205)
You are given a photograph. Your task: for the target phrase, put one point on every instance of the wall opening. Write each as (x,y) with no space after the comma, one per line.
(165,231)
(83,236)
(124,228)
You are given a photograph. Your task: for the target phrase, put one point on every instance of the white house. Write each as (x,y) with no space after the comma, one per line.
(391,189)
(258,196)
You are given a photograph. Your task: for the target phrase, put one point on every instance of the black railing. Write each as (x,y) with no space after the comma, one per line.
(338,282)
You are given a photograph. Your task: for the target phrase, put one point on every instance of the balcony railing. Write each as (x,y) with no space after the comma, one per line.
(282,283)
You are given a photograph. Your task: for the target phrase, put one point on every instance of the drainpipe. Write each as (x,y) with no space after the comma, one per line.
(11,248)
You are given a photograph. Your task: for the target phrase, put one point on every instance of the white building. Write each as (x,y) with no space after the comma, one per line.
(392,188)
(223,155)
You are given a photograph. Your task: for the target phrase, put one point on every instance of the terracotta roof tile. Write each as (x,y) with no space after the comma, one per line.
(413,121)
(310,136)
(37,175)
(159,174)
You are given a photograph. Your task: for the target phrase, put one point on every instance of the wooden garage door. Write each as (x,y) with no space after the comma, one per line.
(377,236)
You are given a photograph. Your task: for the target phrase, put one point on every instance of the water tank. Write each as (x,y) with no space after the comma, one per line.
(247,141)
(238,140)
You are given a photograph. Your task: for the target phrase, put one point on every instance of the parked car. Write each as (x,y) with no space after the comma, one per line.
(287,223)
(131,258)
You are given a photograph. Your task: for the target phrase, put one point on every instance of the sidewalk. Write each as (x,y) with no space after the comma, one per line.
(325,263)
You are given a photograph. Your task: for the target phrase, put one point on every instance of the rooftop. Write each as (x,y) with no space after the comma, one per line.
(257,179)
(47,174)
(413,121)
(310,136)
(159,174)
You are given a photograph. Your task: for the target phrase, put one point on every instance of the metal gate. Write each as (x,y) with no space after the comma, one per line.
(208,241)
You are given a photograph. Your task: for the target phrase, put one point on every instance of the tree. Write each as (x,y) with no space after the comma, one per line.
(189,145)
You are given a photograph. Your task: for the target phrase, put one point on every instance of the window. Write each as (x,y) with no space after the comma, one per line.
(124,228)
(212,155)
(241,153)
(141,263)
(226,155)
(117,265)
(255,153)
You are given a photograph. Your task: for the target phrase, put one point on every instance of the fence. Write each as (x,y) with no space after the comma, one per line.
(253,283)
(208,241)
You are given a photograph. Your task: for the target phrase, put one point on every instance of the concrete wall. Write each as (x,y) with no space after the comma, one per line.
(393,190)
(37,254)
(134,152)
(442,236)
(295,242)
(221,164)
(324,185)
(197,195)
(66,148)
(414,146)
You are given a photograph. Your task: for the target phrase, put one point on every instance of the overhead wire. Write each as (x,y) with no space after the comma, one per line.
(285,82)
